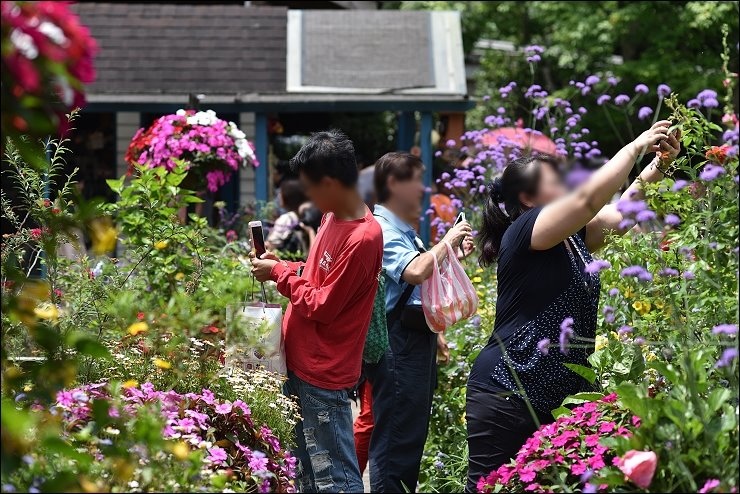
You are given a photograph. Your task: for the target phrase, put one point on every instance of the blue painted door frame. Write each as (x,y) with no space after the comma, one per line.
(425,142)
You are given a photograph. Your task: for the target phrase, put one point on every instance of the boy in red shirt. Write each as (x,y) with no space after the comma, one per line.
(330,306)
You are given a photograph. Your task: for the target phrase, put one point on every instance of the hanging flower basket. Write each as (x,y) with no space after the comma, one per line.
(47,58)
(212,148)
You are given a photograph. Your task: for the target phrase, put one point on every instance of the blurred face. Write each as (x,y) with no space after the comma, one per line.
(322,193)
(408,194)
(550,188)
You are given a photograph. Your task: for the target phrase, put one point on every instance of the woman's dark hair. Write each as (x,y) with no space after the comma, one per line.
(327,154)
(400,166)
(520,175)
(292,194)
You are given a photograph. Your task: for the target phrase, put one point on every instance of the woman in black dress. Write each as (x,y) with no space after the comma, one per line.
(541,241)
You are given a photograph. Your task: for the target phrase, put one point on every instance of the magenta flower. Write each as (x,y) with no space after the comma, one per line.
(217,455)
(644,112)
(258,463)
(709,486)
(223,408)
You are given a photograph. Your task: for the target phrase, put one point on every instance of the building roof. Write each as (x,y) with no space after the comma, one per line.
(261,56)
(180,49)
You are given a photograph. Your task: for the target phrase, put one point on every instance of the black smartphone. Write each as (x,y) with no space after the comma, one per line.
(460,217)
(258,238)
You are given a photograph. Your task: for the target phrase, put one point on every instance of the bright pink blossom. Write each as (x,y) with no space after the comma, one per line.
(639,467)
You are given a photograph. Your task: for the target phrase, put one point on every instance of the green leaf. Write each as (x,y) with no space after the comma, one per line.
(92,348)
(115,185)
(585,372)
(560,411)
(579,398)
(717,398)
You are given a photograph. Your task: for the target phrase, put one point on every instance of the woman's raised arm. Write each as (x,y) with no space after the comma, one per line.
(564,217)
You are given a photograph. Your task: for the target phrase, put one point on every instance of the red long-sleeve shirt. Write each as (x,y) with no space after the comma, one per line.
(326,323)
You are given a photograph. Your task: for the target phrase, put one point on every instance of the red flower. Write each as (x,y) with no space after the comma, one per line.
(35,233)
(718,153)
(56,211)
(210,329)
(140,316)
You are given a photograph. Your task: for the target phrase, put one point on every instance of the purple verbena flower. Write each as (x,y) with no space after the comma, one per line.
(710,103)
(544,346)
(624,330)
(678,185)
(711,172)
(725,329)
(693,103)
(566,332)
(663,90)
(613,292)
(612,81)
(597,265)
(727,357)
(688,275)
(646,215)
(592,79)
(644,112)
(672,220)
(603,99)
(642,88)
(668,272)
(621,99)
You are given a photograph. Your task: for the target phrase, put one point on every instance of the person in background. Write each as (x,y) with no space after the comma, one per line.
(326,322)
(287,234)
(542,245)
(281,173)
(365,183)
(403,380)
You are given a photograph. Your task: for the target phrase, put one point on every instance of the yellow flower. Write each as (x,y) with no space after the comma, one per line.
(162,364)
(180,450)
(477,279)
(642,307)
(47,311)
(162,244)
(27,388)
(90,486)
(180,276)
(628,293)
(463,419)
(479,270)
(130,384)
(480,294)
(601,342)
(138,327)
(103,235)
(659,304)
(651,356)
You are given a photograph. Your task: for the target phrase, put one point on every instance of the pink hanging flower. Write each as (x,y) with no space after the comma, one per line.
(639,467)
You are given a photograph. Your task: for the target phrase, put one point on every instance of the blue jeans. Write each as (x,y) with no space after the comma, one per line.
(403,385)
(325,443)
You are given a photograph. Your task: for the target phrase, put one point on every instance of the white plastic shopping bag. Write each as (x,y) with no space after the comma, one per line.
(254,337)
(448,296)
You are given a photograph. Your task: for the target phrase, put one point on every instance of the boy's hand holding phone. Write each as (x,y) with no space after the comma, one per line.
(262,261)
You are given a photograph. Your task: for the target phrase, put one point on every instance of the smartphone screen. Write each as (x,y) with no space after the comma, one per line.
(258,239)
(460,217)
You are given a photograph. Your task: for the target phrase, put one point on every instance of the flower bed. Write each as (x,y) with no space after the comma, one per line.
(220,431)
(563,456)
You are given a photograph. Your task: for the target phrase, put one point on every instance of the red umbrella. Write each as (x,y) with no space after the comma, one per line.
(520,138)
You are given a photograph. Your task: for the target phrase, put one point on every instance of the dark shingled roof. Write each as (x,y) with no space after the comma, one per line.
(180,49)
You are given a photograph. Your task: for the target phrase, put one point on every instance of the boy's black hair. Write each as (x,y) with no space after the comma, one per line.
(327,154)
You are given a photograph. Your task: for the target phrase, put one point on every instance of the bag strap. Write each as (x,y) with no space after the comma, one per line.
(395,313)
